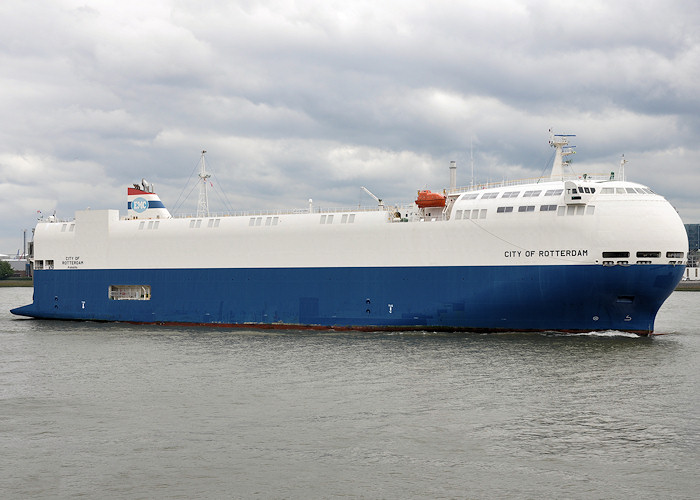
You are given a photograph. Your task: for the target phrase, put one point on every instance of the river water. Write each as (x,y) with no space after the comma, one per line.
(122,411)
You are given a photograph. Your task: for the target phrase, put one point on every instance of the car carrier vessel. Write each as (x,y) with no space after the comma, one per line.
(564,252)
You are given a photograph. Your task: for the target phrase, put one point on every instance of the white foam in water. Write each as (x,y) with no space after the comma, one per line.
(607,333)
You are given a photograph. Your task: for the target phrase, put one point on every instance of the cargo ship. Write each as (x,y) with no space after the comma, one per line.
(565,252)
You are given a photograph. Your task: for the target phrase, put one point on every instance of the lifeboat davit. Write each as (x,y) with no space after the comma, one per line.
(429,199)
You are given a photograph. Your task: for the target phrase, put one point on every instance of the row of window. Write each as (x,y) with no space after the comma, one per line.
(151,224)
(561,210)
(629,190)
(556,192)
(40,264)
(70,227)
(344,219)
(642,262)
(515,194)
(643,254)
(471,214)
(257,221)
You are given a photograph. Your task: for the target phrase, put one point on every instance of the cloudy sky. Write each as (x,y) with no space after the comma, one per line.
(315,98)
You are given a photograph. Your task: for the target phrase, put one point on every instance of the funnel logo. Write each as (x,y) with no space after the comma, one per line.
(139,205)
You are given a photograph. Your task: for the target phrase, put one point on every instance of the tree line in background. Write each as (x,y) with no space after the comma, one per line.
(5,270)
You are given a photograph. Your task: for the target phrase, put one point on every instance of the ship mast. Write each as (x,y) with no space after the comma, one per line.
(621,174)
(203,204)
(561,143)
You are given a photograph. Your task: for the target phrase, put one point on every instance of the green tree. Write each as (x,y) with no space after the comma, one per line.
(5,270)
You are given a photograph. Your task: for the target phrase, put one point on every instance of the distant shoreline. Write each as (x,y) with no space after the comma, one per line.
(16,282)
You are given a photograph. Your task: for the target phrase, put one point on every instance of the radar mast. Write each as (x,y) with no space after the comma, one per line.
(203,204)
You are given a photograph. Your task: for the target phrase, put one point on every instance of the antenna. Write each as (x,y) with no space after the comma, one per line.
(203,204)
(621,174)
(471,159)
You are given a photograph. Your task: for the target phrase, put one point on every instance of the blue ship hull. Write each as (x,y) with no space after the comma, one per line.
(559,298)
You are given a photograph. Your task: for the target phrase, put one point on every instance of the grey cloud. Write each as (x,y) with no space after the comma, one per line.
(314,99)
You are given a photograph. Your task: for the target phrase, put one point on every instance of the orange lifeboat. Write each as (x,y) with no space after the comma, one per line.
(429,199)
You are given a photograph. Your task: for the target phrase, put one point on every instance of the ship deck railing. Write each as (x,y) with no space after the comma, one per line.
(296,211)
(528,180)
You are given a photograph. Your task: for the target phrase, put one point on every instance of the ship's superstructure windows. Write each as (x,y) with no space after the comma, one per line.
(553,192)
(531,194)
(38,264)
(510,194)
(489,196)
(548,208)
(329,220)
(482,214)
(323,219)
(675,255)
(129,292)
(649,255)
(620,190)
(504,210)
(471,196)
(213,222)
(630,191)
(615,255)
(527,208)
(458,215)
(351,218)
(141,225)
(590,209)
(49,264)
(607,191)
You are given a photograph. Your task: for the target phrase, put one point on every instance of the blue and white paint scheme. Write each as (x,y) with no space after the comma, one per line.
(561,253)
